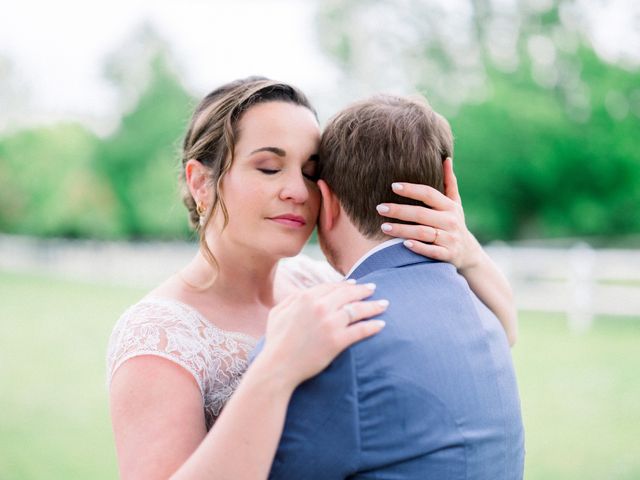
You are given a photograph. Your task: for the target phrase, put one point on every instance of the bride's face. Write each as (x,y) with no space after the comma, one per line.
(270,191)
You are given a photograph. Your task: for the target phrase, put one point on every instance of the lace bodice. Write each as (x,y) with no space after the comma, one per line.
(176,331)
(173,330)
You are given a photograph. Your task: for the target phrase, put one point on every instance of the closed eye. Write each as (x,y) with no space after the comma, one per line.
(313,177)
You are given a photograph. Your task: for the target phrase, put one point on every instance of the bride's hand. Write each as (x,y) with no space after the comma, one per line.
(307,330)
(441,232)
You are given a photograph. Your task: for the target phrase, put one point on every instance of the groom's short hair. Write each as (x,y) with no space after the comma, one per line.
(375,142)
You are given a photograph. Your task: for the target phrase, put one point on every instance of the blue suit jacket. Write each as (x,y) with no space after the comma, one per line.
(432,396)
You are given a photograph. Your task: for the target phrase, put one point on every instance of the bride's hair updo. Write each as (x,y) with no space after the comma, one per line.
(213,133)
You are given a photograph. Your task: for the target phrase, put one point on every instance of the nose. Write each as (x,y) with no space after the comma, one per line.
(294,188)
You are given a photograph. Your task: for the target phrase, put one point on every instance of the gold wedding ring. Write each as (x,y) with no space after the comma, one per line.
(435,239)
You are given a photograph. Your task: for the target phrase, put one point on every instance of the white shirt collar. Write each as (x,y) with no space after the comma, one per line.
(375,249)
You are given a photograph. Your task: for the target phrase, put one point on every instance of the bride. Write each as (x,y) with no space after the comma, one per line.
(180,355)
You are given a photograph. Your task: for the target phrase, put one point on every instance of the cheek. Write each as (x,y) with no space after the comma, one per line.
(243,201)
(250,203)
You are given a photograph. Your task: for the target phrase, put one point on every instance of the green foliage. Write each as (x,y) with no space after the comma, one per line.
(140,161)
(546,143)
(48,186)
(527,169)
(64,181)
(546,130)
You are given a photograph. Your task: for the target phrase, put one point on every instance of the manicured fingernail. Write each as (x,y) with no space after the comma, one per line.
(408,243)
(351,281)
(378,323)
(370,286)
(382,208)
(386,227)
(383,303)
(397,186)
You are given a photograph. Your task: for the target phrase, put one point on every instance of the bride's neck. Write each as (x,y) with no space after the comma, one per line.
(239,277)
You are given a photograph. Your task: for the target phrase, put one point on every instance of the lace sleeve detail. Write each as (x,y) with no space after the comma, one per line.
(304,271)
(160,329)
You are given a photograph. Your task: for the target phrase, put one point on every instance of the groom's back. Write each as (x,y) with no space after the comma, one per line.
(432,396)
(437,388)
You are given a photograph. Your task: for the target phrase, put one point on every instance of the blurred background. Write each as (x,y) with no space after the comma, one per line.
(544,100)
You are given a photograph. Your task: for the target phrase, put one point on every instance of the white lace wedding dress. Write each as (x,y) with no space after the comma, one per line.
(173,330)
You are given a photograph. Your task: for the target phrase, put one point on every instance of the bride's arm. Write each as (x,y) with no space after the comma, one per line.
(442,234)
(304,334)
(157,410)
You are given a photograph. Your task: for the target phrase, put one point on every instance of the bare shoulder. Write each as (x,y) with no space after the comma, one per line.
(172,287)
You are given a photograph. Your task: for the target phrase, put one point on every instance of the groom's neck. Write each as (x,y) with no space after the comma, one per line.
(354,248)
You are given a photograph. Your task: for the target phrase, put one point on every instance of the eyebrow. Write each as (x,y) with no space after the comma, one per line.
(278,151)
(282,153)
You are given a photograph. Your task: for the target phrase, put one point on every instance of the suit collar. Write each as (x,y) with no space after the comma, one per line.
(394,256)
(378,247)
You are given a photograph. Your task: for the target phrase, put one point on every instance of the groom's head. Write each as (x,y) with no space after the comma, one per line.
(364,149)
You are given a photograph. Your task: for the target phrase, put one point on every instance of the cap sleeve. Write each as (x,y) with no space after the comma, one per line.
(160,329)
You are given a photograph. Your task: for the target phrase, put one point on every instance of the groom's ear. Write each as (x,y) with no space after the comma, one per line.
(329,207)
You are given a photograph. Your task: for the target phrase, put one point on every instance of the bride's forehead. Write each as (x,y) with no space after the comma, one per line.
(278,131)
(275,116)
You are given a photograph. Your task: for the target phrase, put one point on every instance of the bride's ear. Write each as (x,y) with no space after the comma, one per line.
(329,207)
(197,179)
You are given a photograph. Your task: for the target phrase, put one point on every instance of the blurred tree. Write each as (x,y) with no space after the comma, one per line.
(48,186)
(545,128)
(64,181)
(140,159)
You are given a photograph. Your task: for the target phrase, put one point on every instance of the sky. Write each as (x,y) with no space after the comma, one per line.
(57,49)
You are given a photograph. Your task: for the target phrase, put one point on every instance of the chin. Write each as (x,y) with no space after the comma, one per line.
(289,247)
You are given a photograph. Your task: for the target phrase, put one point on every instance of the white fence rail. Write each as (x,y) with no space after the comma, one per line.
(580,281)
(119,263)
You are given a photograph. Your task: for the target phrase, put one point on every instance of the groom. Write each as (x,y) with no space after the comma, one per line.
(434,394)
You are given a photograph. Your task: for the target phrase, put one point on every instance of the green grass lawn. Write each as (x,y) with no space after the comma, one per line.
(580,393)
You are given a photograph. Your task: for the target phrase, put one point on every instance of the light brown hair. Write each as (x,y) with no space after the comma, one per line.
(213,133)
(378,141)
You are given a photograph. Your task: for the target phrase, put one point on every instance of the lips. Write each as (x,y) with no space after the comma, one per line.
(290,220)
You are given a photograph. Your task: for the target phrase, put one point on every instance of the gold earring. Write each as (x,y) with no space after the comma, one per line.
(201,210)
